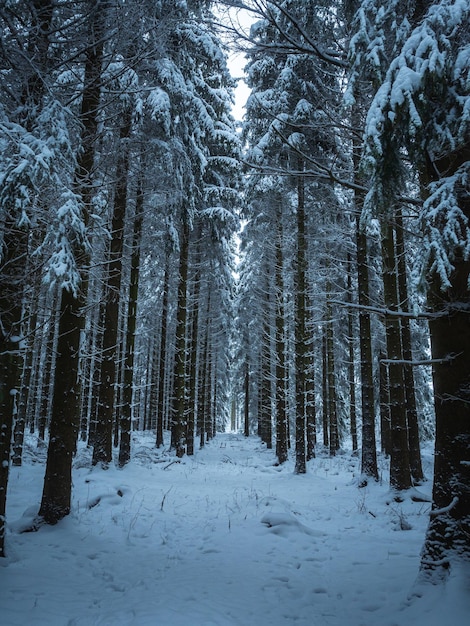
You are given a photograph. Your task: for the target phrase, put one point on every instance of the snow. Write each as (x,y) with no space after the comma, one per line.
(225,538)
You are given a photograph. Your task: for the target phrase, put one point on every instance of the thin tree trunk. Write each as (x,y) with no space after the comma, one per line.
(310,406)
(351,361)
(416,465)
(208,389)
(126,409)
(162,360)
(331,377)
(202,381)
(369,451)
(10,365)
(384,395)
(179,403)
(22,399)
(194,350)
(299,329)
(281,371)
(325,416)
(400,476)
(103,441)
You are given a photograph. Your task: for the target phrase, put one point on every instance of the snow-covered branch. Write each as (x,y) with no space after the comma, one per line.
(445,509)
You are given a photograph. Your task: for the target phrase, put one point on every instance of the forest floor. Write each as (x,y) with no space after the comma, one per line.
(224,538)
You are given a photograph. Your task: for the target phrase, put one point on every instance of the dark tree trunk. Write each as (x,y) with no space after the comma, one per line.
(208,392)
(331,378)
(13,260)
(310,408)
(11,358)
(192,412)
(301,339)
(126,409)
(162,357)
(369,450)
(325,416)
(351,356)
(201,410)
(179,400)
(65,418)
(447,537)
(246,389)
(103,441)
(281,371)
(400,476)
(416,466)
(384,396)
(63,430)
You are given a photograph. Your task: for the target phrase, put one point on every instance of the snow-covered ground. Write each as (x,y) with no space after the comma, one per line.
(225,538)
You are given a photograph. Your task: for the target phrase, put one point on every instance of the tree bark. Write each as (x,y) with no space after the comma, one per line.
(447,534)
(127,391)
(331,378)
(300,329)
(281,370)
(162,357)
(179,400)
(416,466)
(369,452)
(400,476)
(351,362)
(103,441)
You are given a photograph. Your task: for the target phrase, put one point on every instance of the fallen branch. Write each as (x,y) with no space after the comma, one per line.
(175,461)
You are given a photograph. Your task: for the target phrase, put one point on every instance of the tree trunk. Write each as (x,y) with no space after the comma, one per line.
(281,370)
(331,378)
(179,400)
(324,386)
(13,262)
(416,466)
(127,391)
(384,397)
(162,358)
(103,441)
(193,359)
(202,382)
(310,406)
(351,361)
(369,452)
(57,490)
(400,476)
(447,535)
(11,357)
(299,329)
